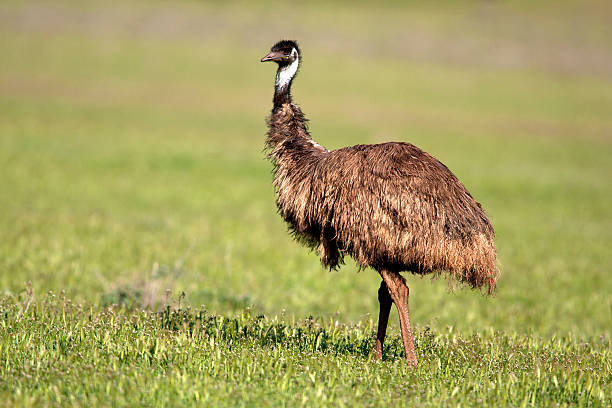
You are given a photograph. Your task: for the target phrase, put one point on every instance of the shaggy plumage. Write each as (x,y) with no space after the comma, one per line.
(390,206)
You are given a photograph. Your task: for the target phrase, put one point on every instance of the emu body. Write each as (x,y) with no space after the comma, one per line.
(390,206)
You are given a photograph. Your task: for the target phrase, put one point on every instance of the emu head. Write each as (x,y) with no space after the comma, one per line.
(286,54)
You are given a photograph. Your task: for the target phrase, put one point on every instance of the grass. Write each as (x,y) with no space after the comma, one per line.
(132,173)
(182,357)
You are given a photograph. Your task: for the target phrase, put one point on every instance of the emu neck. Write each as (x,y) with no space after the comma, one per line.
(282,96)
(288,137)
(282,86)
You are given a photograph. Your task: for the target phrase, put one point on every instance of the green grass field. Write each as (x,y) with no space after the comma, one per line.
(142,261)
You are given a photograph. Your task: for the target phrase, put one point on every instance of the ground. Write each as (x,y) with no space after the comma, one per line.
(133,179)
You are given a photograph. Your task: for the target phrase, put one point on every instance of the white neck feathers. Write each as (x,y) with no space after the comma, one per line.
(286,74)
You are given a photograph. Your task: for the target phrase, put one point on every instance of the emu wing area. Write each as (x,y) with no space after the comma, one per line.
(396,207)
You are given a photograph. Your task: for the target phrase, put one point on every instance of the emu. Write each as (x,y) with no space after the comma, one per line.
(390,206)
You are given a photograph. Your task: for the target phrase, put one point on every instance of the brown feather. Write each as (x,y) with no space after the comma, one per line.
(390,206)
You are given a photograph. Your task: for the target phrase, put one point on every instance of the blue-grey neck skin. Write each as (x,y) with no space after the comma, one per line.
(282,96)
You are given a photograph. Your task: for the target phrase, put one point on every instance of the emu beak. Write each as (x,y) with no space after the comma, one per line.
(273,56)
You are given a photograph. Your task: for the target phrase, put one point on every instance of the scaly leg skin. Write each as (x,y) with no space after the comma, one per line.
(398,291)
(383,318)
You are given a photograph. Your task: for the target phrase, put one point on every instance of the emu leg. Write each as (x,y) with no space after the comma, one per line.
(398,290)
(383,318)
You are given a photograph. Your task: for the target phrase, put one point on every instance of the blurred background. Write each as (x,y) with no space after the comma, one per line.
(132,167)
